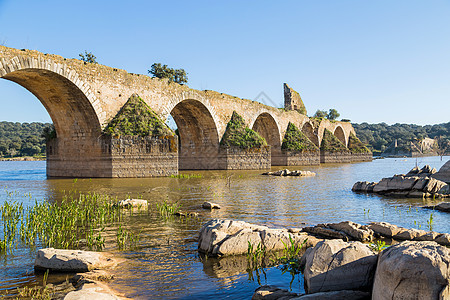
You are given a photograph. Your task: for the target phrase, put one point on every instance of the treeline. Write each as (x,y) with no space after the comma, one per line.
(27,139)
(22,139)
(381,137)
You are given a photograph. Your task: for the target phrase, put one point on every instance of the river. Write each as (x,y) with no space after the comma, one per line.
(166,264)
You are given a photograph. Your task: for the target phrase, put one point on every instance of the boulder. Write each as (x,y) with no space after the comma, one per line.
(443,239)
(444,173)
(335,265)
(61,260)
(268,292)
(214,233)
(414,171)
(384,229)
(336,295)
(210,205)
(408,234)
(413,270)
(427,236)
(325,232)
(421,183)
(433,186)
(275,239)
(133,203)
(354,230)
(225,237)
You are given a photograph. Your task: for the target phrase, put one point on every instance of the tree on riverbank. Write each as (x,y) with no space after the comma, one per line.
(382,136)
(22,139)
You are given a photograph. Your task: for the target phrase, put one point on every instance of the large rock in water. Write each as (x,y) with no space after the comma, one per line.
(335,265)
(444,173)
(60,260)
(413,270)
(226,237)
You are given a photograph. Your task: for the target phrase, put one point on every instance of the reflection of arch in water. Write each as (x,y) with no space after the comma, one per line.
(199,139)
(339,133)
(69,103)
(308,130)
(267,127)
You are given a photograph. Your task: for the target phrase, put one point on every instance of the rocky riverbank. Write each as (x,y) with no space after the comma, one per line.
(338,265)
(416,183)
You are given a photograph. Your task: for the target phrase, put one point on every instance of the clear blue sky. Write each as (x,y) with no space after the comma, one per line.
(374,61)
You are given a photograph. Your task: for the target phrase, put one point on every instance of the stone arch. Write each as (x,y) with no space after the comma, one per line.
(199,138)
(72,107)
(192,95)
(340,134)
(267,127)
(308,130)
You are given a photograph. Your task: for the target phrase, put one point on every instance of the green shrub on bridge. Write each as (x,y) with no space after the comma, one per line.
(136,118)
(331,143)
(355,145)
(239,135)
(295,140)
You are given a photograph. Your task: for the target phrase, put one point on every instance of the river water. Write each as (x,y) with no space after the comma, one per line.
(166,264)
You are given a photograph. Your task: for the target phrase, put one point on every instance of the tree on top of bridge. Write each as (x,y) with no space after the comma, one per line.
(88,57)
(174,75)
(136,118)
(239,135)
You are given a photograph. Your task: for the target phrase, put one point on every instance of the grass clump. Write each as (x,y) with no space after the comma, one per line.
(136,118)
(331,143)
(295,140)
(356,146)
(73,223)
(237,134)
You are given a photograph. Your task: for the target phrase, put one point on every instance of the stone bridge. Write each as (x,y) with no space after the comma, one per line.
(81,98)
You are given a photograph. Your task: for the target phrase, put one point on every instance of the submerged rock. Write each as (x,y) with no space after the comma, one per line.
(268,292)
(286,172)
(133,203)
(413,270)
(443,206)
(334,265)
(61,260)
(210,205)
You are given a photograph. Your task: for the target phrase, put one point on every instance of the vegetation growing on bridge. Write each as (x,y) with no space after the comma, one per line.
(138,119)
(295,140)
(174,75)
(239,135)
(355,145)
(331,143)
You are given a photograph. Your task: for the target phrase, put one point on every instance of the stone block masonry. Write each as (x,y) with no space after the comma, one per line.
(245,159)
(81,98)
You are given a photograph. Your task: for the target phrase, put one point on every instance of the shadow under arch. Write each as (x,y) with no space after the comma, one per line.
(267,127)
(76,122)
(339,133)
(308,130)
(198,136)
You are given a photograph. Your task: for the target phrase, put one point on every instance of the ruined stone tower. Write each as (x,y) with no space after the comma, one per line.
(292,100)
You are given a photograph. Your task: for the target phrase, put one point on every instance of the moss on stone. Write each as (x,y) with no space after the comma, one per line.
(237,134)
(136,118)
(331,143)
(295,140)
(355,145)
